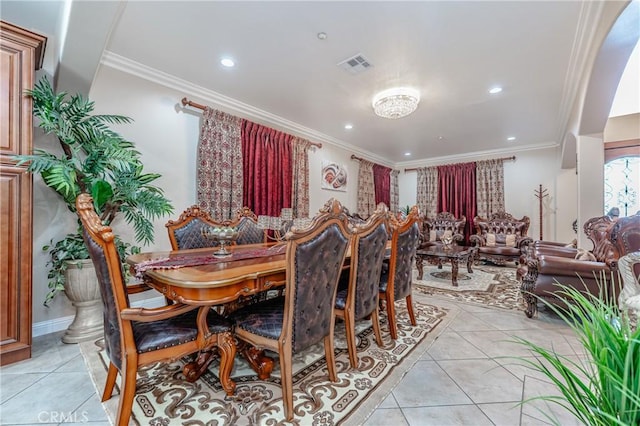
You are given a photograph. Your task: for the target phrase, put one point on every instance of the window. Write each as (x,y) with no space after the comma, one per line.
(622,184)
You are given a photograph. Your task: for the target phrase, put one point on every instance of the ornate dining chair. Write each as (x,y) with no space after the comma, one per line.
(186,231)
(395,282)
(357,296)
(304,316)
(247,224)
(135,337)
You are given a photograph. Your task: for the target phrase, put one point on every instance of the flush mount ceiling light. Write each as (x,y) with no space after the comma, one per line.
(227,62)
(396,103)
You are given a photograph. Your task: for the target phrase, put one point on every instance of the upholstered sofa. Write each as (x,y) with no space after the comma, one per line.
(500,238)
(545,269)
(433,230)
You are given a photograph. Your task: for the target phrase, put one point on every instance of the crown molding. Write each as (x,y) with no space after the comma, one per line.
(473,156)
(247,111)
(228,104)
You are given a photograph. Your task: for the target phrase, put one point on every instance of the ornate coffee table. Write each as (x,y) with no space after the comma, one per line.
(436,255)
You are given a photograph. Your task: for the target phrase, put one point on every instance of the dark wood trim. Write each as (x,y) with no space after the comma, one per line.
(619,149)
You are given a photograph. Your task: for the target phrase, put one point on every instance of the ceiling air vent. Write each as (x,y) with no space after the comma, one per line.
(355,64)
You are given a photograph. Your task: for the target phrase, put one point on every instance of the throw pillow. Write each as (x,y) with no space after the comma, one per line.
(491,240)
(585,255)
(510,240)
(432,235)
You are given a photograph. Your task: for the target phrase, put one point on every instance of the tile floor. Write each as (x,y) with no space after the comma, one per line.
(465,378)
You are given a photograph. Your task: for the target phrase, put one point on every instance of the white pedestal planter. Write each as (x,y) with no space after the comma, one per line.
(82,289)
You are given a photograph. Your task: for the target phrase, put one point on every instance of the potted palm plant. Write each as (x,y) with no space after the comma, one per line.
(99,161)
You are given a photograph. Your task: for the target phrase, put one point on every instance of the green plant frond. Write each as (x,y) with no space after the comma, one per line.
(142,227)
(95,159)
(610,394)
(63,181)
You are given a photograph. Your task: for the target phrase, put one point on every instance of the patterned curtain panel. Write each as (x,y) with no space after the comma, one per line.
(427,196)
(219,167)
(394,206)
(382,184)
(366,189)
(490,187)
(457,192)
(300,190)
(266,157)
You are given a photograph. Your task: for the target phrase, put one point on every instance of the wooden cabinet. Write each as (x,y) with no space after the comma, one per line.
(21,54)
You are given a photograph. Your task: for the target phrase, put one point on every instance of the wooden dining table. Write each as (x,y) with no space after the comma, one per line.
(199,277)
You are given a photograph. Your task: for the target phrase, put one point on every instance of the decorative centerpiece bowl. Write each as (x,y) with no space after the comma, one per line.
(225,235)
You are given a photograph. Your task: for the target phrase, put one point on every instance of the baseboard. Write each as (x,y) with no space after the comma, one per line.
(59,324)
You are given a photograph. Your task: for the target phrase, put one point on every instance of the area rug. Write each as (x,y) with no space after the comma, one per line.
(164,398)
(490,285)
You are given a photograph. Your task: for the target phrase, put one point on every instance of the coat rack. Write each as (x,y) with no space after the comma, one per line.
(540,194)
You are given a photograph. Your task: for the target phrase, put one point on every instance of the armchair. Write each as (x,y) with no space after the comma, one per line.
(135,337)
(357,296)
(248,230)
(434,229)
(599,277)
(596,229)
(501,238)
(186,231)
(305,314)
(395,282)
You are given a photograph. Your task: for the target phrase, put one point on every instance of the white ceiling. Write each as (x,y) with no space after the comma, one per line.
(451,51)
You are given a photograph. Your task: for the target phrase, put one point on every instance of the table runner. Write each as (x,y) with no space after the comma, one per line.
(195,259)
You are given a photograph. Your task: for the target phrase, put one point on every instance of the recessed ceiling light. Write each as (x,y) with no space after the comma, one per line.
(348,126)
(511,138)
(407,154)
(227,62)
(495,90)
(440,138)
(322,35)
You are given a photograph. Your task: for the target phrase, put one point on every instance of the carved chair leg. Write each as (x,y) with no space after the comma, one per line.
(350,327)
(287,383)
(127,393)
(391,317)
(375,319)
(412,315)
(532,305)
(110,383)
(329,354)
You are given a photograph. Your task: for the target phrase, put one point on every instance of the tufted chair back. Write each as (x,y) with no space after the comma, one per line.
(247,224)
(625,234)
(395,284)
(305,314)
(315,261)
(443,222)
(186,232)
(370,248)
(357,296)
(501,224)
(114,298)
(597,229)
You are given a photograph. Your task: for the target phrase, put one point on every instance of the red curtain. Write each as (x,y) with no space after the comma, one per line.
(457,192)
(267,171)
(382,184)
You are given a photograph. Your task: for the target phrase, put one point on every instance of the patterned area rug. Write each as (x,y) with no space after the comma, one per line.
(165,398)
(490,285)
